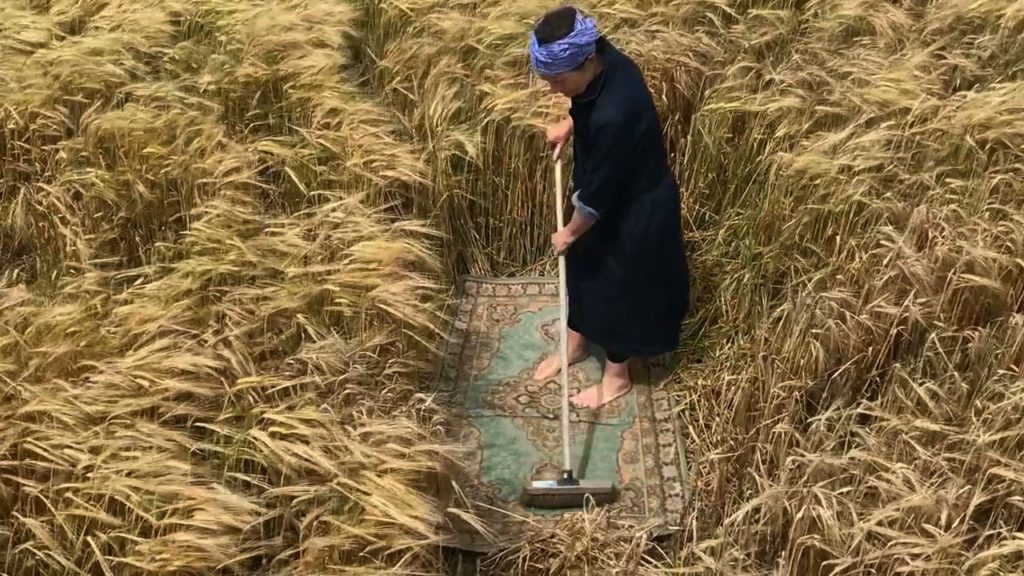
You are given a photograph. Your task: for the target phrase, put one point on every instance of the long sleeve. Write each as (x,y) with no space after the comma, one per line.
(605,166)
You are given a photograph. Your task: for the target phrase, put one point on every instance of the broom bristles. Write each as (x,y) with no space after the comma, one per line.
(552,494)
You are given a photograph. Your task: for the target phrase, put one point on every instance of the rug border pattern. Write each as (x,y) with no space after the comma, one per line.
(657,420)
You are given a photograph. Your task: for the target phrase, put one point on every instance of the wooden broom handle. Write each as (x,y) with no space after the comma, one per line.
(563,325)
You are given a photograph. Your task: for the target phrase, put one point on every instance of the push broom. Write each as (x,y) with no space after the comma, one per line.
(568,491)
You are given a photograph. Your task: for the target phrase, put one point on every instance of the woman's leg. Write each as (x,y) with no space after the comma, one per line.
(614,384)
(552,365)
(615,358)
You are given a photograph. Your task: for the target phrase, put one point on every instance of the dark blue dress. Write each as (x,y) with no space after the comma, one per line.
(627,276)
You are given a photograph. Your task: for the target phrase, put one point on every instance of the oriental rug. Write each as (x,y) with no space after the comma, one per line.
(510,425)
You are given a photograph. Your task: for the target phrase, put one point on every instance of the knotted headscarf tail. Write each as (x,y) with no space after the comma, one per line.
(569,52)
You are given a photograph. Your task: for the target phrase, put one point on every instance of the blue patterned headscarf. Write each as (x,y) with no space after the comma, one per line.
(569,52)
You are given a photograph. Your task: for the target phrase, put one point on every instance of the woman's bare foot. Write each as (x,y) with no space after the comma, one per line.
(613,385)
(552,365)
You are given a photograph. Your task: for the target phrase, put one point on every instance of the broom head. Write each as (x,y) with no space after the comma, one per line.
(567,492)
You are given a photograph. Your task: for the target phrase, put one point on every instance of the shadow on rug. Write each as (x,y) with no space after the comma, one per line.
(510,425)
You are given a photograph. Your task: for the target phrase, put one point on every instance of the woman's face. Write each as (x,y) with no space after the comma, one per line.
(573,82)
(568,84)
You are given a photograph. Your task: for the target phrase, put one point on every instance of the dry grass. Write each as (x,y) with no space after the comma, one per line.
(852,193)
(222,278)
(213,322)
(581,543)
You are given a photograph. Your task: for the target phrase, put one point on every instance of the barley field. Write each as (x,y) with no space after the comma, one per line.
(229,228)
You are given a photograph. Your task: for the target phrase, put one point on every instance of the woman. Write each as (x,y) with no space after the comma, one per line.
(626,268)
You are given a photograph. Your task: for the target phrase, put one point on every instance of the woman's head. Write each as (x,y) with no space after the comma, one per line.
(563,50)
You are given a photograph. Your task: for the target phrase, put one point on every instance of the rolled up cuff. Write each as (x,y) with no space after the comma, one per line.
(586,210)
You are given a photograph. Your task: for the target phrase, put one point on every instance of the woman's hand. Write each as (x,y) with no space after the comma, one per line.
(561,240)
(558,134)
